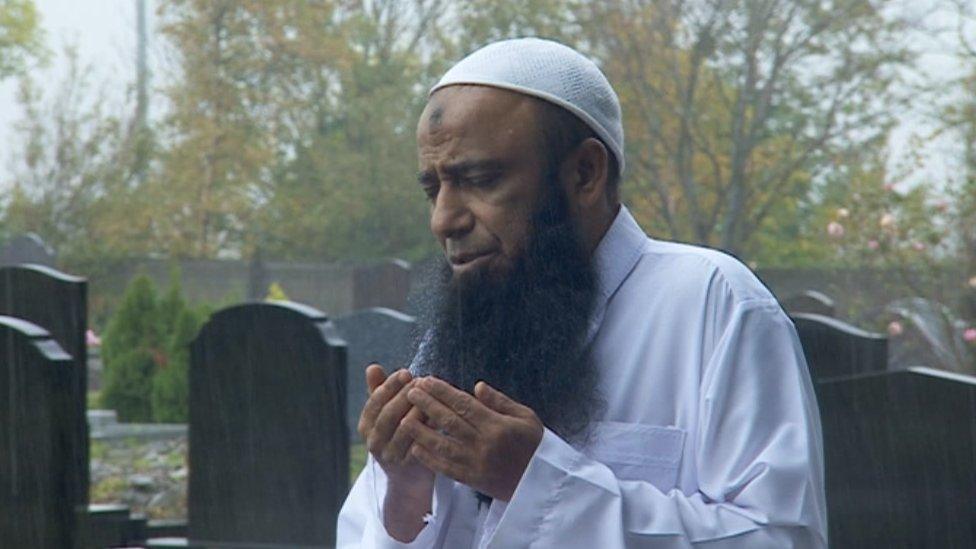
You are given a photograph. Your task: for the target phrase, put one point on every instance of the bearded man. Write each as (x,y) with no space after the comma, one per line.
(580,384)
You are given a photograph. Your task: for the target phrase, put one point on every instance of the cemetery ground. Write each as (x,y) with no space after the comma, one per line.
(150,476)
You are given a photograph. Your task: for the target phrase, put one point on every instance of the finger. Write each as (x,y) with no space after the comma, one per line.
(436,451)
(380,396)
(438,463)
(388,421)
(462,403)
(441,416)
(497,400)
(375,375)
(399,446)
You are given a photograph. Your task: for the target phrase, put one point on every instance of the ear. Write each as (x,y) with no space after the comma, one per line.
(587,174)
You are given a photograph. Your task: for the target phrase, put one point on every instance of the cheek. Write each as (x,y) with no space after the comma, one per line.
(512,231)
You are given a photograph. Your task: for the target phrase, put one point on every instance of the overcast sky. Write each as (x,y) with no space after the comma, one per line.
(105,33)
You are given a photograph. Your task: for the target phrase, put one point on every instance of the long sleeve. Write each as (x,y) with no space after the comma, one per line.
(758,462)
(360,522)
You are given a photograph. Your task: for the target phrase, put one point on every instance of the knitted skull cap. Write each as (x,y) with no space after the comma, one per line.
(550,71)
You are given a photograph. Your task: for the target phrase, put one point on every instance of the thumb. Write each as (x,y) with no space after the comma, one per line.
(497,400)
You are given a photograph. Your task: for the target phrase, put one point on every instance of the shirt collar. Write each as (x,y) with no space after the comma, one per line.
(618,252)
(614,258)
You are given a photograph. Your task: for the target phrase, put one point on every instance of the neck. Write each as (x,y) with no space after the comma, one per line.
(596,228)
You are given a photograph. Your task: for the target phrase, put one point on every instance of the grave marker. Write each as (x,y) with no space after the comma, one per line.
(36,495)
(58,303)
(377,335)
(834,348)
(899,446)
(384,284)
(26,248)
(900,452)
(811,302)
(269,450)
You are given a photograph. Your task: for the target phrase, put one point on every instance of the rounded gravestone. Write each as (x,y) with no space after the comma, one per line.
(26,248)
(37,505)
(379,335)
(269,450)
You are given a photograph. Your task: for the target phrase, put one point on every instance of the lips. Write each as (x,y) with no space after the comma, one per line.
(464,258)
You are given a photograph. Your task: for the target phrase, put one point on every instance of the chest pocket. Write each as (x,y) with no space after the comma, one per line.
(635,451)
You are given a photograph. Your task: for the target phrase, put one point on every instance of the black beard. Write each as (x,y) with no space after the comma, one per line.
(524,333)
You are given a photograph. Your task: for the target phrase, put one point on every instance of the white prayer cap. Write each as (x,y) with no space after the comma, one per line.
(550,71)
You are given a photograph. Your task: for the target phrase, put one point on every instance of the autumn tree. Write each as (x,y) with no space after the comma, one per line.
(348,190)
(20,42)
(71,169)
(918,227)
(734,109)
(218,147)
(20,37)
(290,128)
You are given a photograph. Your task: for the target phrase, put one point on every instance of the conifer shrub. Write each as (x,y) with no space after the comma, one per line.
(131,337)
(145,351)
(128,383)
(170,386)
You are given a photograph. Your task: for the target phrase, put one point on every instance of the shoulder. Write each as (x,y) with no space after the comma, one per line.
(684,267)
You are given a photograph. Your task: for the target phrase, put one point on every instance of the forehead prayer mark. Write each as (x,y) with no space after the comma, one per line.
(436,117)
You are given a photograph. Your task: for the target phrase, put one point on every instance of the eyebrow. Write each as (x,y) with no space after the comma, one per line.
(461,169)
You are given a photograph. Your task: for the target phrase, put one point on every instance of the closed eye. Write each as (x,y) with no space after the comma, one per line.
(430,191)
(480,181)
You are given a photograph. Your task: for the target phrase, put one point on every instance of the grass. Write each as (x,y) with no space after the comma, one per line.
(108,490)
(94,400)
(357,460)
(97,449)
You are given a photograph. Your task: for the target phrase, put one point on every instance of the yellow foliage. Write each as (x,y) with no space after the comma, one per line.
(276,293)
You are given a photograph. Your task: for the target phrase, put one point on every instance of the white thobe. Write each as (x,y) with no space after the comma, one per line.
(710,437)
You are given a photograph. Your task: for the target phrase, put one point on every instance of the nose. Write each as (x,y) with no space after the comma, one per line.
(450,216)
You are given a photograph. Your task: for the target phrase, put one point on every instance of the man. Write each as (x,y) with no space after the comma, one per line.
(581,385)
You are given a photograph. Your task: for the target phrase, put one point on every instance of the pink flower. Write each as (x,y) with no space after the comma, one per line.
(895,328)
(889,187)
(969,335)
(918,246)
(835,229)
(873,244)
(92,339)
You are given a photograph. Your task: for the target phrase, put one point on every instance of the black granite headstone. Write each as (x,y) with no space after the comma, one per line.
(835,349)
(36,498)
(376,335)
(811,302)
(899,446)
(269,449)
(26,248)
(383,284)
(58,303)
(900,454)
